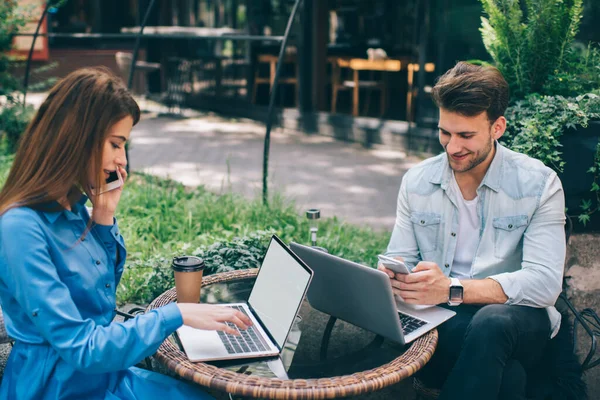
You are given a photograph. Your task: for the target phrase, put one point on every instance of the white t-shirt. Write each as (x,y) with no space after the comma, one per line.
(467,235)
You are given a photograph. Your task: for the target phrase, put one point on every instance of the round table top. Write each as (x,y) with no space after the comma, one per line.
(416,355)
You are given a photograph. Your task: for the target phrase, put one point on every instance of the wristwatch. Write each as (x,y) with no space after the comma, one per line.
(455,297)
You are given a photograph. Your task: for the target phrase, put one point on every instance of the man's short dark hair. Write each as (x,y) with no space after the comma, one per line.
(469,90)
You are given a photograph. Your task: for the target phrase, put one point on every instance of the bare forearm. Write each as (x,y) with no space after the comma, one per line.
(103,217)
(483,291)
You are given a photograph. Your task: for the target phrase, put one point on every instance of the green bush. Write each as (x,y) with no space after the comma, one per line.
(554,81)
(538,123)
(14,115)
(161,219)
(146,279)
(13,121)
(529,47)
(581,76)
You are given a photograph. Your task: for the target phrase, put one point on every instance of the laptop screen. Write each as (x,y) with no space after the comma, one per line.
(279,289)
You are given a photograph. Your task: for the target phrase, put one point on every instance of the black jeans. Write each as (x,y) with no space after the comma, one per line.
(484,351)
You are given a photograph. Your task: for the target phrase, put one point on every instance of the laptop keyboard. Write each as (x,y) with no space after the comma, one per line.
(249,340)
(410,324)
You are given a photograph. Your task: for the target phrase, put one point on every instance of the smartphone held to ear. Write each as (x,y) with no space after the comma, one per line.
(394,265)
(114,181)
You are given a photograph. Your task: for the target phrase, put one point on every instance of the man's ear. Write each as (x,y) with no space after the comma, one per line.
(498,127)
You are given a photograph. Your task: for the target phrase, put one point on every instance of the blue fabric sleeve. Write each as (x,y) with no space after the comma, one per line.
(113,243)
(32,277)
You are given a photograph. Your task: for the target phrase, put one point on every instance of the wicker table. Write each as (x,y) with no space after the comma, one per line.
(406,363)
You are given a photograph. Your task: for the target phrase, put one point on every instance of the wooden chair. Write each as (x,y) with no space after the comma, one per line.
(143,68)
(356,65)
(271,60)
(412,91)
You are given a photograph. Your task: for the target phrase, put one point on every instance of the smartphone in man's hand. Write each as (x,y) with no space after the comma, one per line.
(394,265)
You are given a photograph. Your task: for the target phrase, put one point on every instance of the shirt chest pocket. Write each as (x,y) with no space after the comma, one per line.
(427,229)
(508,234)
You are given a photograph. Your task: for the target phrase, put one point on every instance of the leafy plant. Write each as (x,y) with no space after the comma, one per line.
(14,115)
(537,124)
(530,41)
(554,81)
(581,76)
(13,121)
(154,276)
(161,219)
(13,118)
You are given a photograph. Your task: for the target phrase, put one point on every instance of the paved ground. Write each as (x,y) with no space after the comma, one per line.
(357,184)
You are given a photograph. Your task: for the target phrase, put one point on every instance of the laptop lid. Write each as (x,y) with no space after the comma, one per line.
(280,287)
(351,292)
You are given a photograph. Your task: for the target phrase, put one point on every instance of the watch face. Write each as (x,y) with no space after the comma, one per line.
(456,293)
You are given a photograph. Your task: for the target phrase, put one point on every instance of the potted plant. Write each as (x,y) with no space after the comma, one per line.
(555,86)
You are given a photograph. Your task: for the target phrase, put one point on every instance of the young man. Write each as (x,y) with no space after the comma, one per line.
(483,229)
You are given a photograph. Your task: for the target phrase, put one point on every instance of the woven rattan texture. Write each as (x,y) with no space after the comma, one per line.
(393,372)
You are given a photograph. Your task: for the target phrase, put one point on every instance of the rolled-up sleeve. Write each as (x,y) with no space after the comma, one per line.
(32,278)
(402,242)
(539,281)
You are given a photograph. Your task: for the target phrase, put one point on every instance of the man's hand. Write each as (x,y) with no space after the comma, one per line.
(389,272)
(427,284)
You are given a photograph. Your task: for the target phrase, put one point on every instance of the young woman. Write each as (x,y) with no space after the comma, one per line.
(60,267)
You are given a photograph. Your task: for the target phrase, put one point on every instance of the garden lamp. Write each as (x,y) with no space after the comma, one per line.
(313,216)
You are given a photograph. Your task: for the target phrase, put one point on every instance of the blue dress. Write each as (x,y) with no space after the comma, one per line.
(58,299)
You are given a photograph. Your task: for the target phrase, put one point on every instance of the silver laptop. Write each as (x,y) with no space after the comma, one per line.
(274,302)
(363,297)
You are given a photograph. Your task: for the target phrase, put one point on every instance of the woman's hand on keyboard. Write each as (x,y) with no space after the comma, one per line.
(213,318)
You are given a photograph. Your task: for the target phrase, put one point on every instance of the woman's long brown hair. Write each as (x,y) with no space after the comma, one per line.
(66,138)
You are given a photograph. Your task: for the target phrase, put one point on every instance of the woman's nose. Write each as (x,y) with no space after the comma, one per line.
(122,161)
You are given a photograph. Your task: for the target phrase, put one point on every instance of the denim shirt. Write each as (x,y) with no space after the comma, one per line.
(58,299)
(521,238)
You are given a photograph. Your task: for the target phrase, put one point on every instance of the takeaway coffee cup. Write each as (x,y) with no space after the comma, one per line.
(188,272)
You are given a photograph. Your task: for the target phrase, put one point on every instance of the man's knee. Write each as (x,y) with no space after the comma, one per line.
(494,320)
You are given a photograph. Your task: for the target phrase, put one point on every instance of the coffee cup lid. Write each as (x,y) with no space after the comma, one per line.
(187,263)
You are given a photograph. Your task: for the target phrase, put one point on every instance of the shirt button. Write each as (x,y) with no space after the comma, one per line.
(446,265)
(107,286)
(97,262)
(422,222)
(510,226)
(453,234)
(34,313)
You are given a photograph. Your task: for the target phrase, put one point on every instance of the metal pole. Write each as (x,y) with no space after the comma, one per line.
(28,66)
(272,103)
(136,48)
(423,47)
(138,39)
